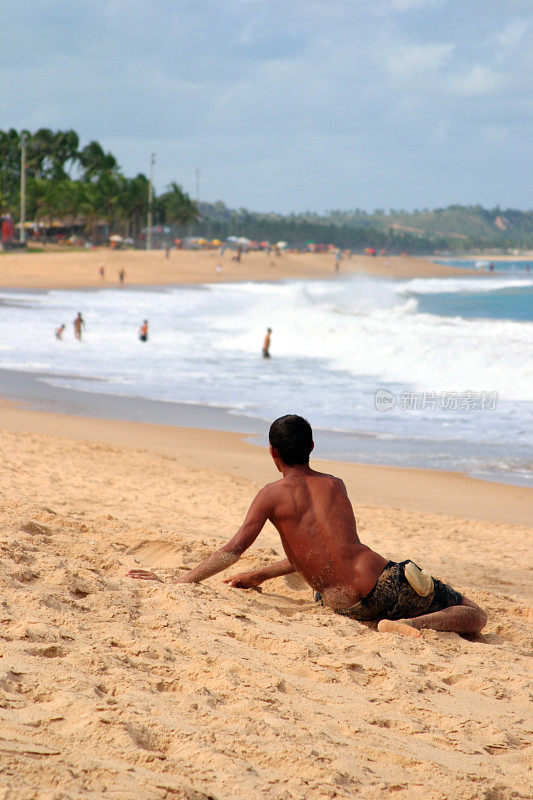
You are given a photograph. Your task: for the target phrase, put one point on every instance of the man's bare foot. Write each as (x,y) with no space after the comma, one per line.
(398,626)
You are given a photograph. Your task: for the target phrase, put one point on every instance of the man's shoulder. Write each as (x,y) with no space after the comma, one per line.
(270,490)
(326,476)
(274,487)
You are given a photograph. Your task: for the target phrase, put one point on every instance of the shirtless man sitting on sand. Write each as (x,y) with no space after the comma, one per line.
(315,520)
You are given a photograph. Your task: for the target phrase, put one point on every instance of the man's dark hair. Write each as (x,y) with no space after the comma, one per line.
(292,437)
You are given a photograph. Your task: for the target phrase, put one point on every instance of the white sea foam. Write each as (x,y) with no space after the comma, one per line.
(462,285)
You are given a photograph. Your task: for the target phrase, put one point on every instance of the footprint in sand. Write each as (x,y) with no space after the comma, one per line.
(158,553)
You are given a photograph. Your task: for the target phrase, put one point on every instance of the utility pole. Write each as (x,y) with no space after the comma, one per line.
(22,233)
(150,199)
(197,193)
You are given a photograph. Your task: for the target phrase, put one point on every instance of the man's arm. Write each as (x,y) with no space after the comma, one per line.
(249,580)
(227,555)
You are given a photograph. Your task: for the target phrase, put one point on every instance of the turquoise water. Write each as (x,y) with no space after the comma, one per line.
(518,266)
(507,302)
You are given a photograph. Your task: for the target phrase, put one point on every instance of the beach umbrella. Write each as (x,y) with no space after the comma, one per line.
(29,225)
(116,238)
(216,242)
(281,245)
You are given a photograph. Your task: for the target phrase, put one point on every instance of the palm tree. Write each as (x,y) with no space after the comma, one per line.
(95,162)
(66,145)
(177,206)
(40,158)
(10,171)
(137,203)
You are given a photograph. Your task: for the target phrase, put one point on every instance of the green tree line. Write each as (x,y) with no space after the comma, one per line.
(454,229)
(67,182)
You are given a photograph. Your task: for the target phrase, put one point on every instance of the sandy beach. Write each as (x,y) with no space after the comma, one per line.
(72,270)
(112,687)
(141,690)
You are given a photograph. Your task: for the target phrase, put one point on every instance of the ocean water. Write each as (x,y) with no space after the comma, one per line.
(451,357)
(516,266)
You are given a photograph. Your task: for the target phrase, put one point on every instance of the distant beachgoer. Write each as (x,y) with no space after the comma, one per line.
(143,331)
(59,332)
(315,520)
(491,266)
(219,270)
(101,271)
(167,252)
(78,324)
(337,260)
(121,276)
(266,344)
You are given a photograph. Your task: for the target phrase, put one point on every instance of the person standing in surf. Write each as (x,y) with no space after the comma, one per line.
(143,331)
(266,344)
(79,324)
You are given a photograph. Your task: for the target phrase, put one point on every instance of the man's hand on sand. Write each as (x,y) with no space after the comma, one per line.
(185,579)
(245,580)
(143,575)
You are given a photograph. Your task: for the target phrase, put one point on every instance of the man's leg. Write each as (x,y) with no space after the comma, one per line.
(466,618)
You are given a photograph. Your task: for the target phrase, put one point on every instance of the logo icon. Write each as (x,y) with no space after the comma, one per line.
(384,400)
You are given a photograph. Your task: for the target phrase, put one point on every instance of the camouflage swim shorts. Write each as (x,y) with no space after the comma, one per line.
(394,598)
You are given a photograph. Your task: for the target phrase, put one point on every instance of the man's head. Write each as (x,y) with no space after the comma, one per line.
(291,440)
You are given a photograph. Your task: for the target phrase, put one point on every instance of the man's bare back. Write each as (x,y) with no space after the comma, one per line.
(316,523)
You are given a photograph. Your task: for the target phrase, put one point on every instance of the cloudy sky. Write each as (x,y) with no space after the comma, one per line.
(287,105)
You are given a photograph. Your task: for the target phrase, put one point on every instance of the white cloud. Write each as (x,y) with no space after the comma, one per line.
(441,132)
(478,81)
(413,61)
(512,34)
(495,134)
(407,5)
